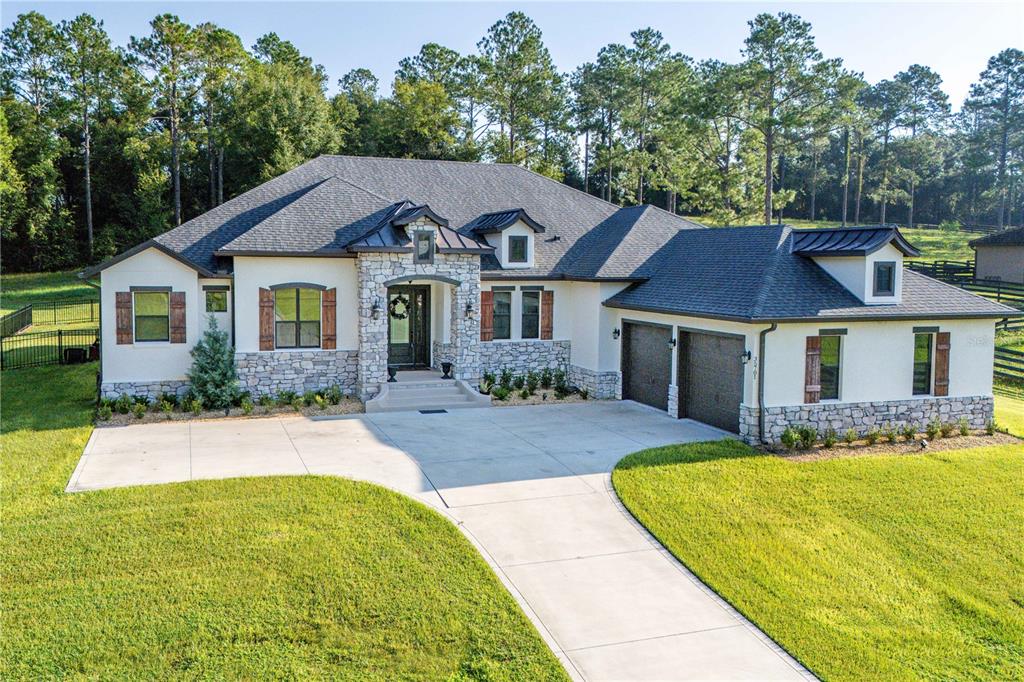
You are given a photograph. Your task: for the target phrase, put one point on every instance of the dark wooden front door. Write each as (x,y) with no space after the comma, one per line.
(408,326)
(646,363)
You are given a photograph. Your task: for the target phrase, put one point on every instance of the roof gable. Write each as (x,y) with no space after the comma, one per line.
(497,221)
(849,241)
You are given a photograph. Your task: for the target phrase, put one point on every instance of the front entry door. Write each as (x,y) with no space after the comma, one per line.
(408,326)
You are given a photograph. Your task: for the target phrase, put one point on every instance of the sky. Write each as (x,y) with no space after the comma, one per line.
(875,38)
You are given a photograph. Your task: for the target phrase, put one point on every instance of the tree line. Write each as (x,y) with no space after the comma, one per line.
(103,146)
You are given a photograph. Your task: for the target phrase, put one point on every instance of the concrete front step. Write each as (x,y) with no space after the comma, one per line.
(426,395)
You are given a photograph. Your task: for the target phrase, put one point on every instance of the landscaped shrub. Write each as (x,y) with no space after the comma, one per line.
(790,438)
(965,427)
(247,406)
(309,398)
(104,412)
(500,392)
(947,429)
(830,438)
(298,403)
(141,399)
(990,427)
(583,393)
(524,393)
(194,405)
(213,377)
(872,436)
(138,410)
(908,431)
(171,398)
(532,381)
(320,401)
(286,398)
(890,434)
(808,435)
(850,436)
(166,407)
(506,378)
(333,395)
(933,430)
(546,377)
(124,404)
(266,400)
(519,382)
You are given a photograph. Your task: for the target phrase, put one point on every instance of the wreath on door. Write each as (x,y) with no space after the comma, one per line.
(398,307)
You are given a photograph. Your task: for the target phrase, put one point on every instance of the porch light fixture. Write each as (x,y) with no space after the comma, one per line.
(616,333)
(375,310)
(672,342)
(469,309)
(746,356)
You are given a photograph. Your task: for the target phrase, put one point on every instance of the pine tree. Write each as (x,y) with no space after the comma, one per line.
(213,376)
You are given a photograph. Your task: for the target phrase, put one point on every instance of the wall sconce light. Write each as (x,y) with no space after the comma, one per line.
(616,333)
(746,357)
(672,342)
(469,309)
(375,310)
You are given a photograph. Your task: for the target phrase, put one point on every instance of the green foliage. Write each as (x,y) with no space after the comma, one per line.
(872,436)
(286,398)
(908,431)
(104,413)
(524,393)
(213,377)
(165,406)
(890,434)
(519,382)
(194,405)
(507,377)
(138,410)
(333,395)
(309,398)
(790,438)
(298,403)
(947,429)
(850,436)
(546,377)
(124,403)
(807,436)
(266,400)
(501,392)
(247,406)
(933,429)
(830,438)
(964,426)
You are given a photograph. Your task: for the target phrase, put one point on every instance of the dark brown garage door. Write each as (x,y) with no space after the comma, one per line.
(646,364)
(711,378)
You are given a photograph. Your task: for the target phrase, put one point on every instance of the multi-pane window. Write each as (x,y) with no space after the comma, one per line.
(517,249)
(423,247)
(502,314)
(297,317)
(152,316)
(885,279)
(531,314)
(216,301)
(922,364)
(830,357)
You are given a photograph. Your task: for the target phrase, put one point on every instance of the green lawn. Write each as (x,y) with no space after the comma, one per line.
(1010,412)
(23,288)
(291,577)
(868,568)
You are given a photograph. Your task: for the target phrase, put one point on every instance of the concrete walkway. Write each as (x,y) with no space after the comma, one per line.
(530,487)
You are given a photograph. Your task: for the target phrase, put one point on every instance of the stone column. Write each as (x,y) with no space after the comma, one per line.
(465,329)
(373,270)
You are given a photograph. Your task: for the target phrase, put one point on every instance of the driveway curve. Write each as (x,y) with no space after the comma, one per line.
(530,487)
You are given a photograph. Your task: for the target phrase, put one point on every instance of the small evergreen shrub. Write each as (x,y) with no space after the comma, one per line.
(320,401)
(104,412)
(309,398)
(171,398)
(830,438)
(990,427)
(298,403)
(933,430)
(333,395)
(524,393)
(500,392)
(124,404)
(965,426)
(286,398)
(583,393)
(266,400)
(808,435)
(947,429)
(908,431)
(138,410)
(519,382)
(247,406)
(506,378)
(790,438)
(194,405)
(213,377)
(872,436)
(546,378)
(890,434)
(166,407)
(532,381)
(850,436)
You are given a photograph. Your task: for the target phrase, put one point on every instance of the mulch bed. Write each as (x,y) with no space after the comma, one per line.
(346,406)
(537,398)
(978,439)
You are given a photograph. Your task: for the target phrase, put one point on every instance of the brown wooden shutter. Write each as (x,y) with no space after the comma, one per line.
(942,363)
(266,319)
(812,370)
(123,306)
(177,317)
(486,315)
(329,319)
(547,313)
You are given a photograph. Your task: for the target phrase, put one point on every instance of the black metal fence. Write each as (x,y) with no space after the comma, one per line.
(977,228)
(12,323)
(60,347)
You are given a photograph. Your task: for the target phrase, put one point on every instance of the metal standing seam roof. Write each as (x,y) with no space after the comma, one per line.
(389,234)
(849,241)
(499,220)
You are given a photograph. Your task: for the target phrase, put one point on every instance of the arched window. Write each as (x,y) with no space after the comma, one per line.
(297,317)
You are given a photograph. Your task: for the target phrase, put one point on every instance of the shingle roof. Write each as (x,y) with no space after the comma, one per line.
(750,273)
(849,241)
(326,203)
(1014,237)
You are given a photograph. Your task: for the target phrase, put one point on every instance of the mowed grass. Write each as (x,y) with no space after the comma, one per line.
(867,568)
(19,289)
(1009,414)
(299,577)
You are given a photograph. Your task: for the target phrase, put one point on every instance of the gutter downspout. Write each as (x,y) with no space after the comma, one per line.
(760,379)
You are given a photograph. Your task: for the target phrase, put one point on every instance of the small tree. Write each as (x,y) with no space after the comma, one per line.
(213,376)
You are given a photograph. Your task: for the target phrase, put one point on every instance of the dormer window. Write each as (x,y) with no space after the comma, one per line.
(885,278)
(423,247)
(517,249)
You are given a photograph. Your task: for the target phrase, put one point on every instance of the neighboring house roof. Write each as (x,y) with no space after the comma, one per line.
(849,241)
(1014,237)
(320,207)
(752,274)
(499,220)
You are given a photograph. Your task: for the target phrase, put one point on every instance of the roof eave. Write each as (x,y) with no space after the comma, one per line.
(819,318)
(225,253)
(139,248)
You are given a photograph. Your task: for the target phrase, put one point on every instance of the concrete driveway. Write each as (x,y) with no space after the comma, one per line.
(530,487)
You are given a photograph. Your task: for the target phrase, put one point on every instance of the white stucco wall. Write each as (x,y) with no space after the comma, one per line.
(148,361)
(877,360)
(499,240)
(1005,263)
(251,273)
(857,273)
(223,319)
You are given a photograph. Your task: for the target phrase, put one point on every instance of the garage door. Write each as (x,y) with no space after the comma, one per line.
(711,378)
(646,364)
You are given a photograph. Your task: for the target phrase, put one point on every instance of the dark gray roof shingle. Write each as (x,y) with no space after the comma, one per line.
(1014,237)
(750,273)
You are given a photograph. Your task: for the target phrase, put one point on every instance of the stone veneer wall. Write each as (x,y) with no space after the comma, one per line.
(865,416)
(147,388)
(375,269)
(599,385)
(530,355)
(300,371)
(673,400)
